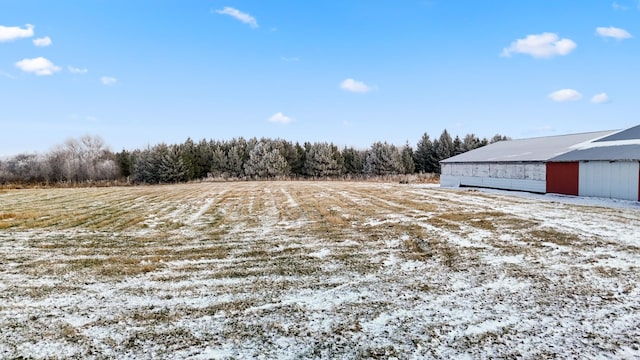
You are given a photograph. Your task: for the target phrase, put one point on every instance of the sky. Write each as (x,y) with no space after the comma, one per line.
(351,72)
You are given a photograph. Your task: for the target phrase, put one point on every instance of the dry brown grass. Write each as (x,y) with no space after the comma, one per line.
(478,219)
(418,249)
(17,219)
(325,265)
(554,236)
(4,216)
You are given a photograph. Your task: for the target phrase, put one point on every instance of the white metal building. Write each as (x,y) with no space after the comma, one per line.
(512,164)
(602,164)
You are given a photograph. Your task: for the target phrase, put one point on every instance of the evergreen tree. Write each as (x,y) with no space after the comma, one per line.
(219,162)
(145,167)
(297,160)
(237,156)
(265,161)
(203,159)
(498,137)
(337,156)
(383,159)
(235,162)
(457,146)
(407,159)
(123,159)
(353,161)
(470,142)
(320,161)
(171,165)
(424,156)
(190,159)
(445,148)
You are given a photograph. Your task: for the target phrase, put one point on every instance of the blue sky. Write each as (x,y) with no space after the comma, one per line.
(351,72)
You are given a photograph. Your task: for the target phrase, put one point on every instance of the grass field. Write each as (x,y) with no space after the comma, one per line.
(314,270)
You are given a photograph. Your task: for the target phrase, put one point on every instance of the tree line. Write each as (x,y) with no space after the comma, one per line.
(89,159)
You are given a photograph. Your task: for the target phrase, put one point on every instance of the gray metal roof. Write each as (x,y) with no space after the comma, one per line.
(525,150)
(606,153)
(628,134)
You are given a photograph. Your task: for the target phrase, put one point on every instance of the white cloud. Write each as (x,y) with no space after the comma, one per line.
(39,66)
(290,59)
(617,6)
(355,86)
(42,42)
(565,95)
(545,45)
(11,33)
(613,32)
(601,98)
(280,118)
(239,15)
(108,80)
(75,70)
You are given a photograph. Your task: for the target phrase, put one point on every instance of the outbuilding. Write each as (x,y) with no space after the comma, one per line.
(601,164)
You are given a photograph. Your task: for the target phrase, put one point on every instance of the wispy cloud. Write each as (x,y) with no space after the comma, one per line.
(613,32)
(11,33)
(39,66)
(601,98)
(347,124)
(290,59)
(42,42)
(6,75)
(355,86)
(545,45)
(565,95)
(617,7)
(239,15)
(280,118)
(75,70)
(108,80)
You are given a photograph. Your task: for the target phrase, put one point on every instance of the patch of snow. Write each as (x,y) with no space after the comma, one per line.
(322,253)
(205,207)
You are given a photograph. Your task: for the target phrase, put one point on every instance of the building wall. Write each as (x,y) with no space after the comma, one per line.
(519,171)
(617,180)
(508,176)
(562,178)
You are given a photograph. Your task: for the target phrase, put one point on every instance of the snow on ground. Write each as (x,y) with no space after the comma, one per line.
(316,270)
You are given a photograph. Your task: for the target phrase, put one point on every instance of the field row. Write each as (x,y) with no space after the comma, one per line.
(314,269)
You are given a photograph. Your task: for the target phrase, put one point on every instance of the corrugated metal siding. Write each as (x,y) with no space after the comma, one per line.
(521,171)
(562,178)
(517,176)
(536,186)
(618,180)
(449,181)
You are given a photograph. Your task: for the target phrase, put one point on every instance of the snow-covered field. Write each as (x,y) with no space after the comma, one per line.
(316,270)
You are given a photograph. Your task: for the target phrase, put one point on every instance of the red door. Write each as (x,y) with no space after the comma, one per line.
(562,177)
